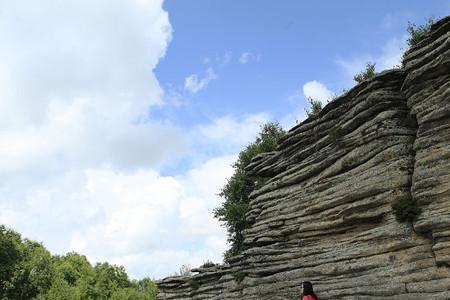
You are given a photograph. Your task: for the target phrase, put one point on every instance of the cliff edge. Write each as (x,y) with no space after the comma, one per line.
(325,215)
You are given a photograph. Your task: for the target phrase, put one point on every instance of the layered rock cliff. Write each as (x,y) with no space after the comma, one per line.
(325,215)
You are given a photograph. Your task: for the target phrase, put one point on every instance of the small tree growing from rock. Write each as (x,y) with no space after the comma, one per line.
(315,107)
(208,264)
(193,283)
(418,32)
(368,73)
(185,270)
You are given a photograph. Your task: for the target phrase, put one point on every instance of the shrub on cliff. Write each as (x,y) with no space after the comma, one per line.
(237,188)
(208,264)
(369,72)
(193,283)
(315,107)
(406,209)
(418,32)
(185,270)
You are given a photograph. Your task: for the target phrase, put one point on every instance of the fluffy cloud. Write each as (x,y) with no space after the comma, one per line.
(85,87)
(81,157)
(79,151)
(312,89)
(317,90)
(141,216)
(151,224)
(194,84)
(231,133)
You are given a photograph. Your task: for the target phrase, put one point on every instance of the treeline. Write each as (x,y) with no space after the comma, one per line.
(29,271)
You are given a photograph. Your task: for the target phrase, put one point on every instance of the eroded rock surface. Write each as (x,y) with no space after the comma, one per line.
(325,214)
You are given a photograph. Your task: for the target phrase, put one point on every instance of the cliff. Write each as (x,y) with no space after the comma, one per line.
(326,215)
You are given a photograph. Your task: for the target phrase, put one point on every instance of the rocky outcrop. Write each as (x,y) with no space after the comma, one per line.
(325,214)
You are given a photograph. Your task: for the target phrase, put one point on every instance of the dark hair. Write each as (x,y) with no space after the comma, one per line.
(308,289)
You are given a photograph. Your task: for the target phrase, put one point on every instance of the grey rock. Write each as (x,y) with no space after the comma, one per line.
(325,213)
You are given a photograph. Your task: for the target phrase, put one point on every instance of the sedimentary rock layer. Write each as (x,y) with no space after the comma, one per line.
(325,214)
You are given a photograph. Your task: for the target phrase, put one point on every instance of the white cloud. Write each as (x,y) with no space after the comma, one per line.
(79,151)
(294,118)
(389,57)
(78,94)
(85,133)
(80,154)
(246,57)
(317,90)
(45,61)
(391,53)
(194,84)
(311,89)
(231,133)
(127,217)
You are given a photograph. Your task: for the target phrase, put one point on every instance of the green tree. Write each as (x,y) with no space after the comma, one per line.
(418,32)
(238,187)
(62,290)
(32,274)
(368,73)
(10,256)
(77,272)
(143,289)
(146,286)
(28,271)
(108,279)
(315,107)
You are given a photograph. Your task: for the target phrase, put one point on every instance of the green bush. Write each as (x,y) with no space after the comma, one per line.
(368,73)
(193,283)
(239,276)
(208,264)
(406,209)
(418,32)
(315,107)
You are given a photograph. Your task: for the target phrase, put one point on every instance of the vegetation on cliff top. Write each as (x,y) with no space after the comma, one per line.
(315,107)
(29,271)
(237,189)
(418,32)
(367,73)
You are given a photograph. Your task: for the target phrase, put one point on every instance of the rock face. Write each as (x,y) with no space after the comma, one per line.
(325,215)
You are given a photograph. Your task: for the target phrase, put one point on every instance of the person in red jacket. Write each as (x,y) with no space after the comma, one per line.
(308,292)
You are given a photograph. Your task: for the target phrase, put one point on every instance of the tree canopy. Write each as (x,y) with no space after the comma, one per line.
(29,271)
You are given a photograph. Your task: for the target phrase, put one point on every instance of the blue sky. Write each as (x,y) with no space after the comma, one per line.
(295,42)
(121,119)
